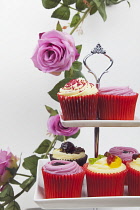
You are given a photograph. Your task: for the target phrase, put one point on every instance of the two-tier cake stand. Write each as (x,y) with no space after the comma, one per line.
(84,201)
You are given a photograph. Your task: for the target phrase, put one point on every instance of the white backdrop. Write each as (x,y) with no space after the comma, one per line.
(23,89)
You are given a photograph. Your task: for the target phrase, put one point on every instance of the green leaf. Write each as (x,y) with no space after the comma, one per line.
(1,207)
(76,18)
(102,11)
(68,2)
(58,27)
(74,136)
(30,163)
(98,2)
(61,138)
(43,147)
(79,48)
(7,193)
(51,111)
(75,71)
(28,183)
(62,13)
(49,4)
(56,88)
(13,181)
(13,206)
(80,5)
(93,9)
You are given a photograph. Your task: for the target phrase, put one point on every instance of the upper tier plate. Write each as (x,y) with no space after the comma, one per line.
(101,123)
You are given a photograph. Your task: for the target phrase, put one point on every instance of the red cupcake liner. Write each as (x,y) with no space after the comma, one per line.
(99,184)
(133,181)
(114,107)
(63,186)
(79,107)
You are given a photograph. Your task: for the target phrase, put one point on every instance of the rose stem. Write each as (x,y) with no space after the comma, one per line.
(81,20)
(23,175)
(50,147)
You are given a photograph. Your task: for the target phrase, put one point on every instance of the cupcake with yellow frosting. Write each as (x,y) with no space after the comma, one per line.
(78,100)
(69,152)
(105,176)
(134,175)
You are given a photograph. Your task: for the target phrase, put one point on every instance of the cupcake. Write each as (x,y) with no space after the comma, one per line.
(134,175)
(78,100)
(62,179)
(125,153)
(105,176)
(116,103)
(69,152)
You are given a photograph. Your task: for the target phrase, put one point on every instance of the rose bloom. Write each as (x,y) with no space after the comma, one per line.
(7,160)
(55,52)
(55,127)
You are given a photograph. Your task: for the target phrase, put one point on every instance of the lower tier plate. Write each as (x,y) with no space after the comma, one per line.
(83,202)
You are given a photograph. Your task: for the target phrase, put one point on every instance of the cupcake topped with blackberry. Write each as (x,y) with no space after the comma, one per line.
(68,151)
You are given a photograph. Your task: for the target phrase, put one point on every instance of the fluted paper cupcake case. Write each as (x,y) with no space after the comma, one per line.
(63,186)
(101,184)
(114,107)
(78,107)
(133,181)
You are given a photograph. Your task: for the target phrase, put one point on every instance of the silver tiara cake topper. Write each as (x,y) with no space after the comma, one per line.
(98,50)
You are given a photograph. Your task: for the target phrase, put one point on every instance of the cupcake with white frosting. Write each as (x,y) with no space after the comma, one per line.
(105,176)
(134,175)
(117,103)
(62,179)
(69,152)
(78,100)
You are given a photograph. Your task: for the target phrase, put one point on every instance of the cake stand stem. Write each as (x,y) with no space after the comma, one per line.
(96,141)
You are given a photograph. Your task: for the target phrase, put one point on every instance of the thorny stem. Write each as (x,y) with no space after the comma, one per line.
(23,175)
(51,145)
(81,20)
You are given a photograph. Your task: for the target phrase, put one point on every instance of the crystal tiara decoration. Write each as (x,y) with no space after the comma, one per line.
(98,50)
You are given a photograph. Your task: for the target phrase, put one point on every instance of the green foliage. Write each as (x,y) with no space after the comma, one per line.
(13,206)
(7,193)
(51,111)
(62,13)
(58,26)
(28,183)
(43,147)
(68,2)
(55,90)
(76,18)
(49,4)
(80,5)
(30,163)
(75,71)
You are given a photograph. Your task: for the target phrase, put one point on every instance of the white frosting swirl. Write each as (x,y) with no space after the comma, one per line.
(101,166)
(78,87)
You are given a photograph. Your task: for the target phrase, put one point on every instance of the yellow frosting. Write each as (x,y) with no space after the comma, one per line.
(135,164)
(67,156)
(78,87)
(101,166)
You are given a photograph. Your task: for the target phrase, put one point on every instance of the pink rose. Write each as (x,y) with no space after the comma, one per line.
(55,127)
(7,160)
(55,52)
